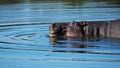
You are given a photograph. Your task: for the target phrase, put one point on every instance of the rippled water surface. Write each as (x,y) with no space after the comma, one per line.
(24,40)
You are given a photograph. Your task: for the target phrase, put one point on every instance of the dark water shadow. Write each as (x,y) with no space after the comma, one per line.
(55,40)
(83,45)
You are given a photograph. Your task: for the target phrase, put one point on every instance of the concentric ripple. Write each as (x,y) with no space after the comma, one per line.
(34,38)
(27,35)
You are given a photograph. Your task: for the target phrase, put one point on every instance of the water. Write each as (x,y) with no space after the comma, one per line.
(24,41)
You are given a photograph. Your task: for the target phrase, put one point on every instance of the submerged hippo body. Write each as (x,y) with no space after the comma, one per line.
(96,28)
(103,28)
(90,29)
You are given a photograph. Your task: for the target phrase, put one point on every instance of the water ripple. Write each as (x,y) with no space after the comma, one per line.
(59,59)
(24,29)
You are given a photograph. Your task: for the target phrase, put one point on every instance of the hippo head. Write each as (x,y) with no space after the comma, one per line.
(74,29)
(56,30)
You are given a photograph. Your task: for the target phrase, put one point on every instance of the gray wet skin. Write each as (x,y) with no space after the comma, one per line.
(74,30)
(103,28)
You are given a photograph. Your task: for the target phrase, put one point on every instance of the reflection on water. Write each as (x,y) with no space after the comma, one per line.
(81,45)
(24,40)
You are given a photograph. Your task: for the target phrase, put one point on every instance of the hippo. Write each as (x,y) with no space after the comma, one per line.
(72,29)
(87,29)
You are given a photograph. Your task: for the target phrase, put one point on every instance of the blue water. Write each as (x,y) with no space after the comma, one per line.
(24,40)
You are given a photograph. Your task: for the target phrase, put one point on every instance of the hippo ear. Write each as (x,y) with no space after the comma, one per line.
(53,24)
(83,24)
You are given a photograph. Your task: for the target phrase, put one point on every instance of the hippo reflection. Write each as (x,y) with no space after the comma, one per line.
(87,29)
